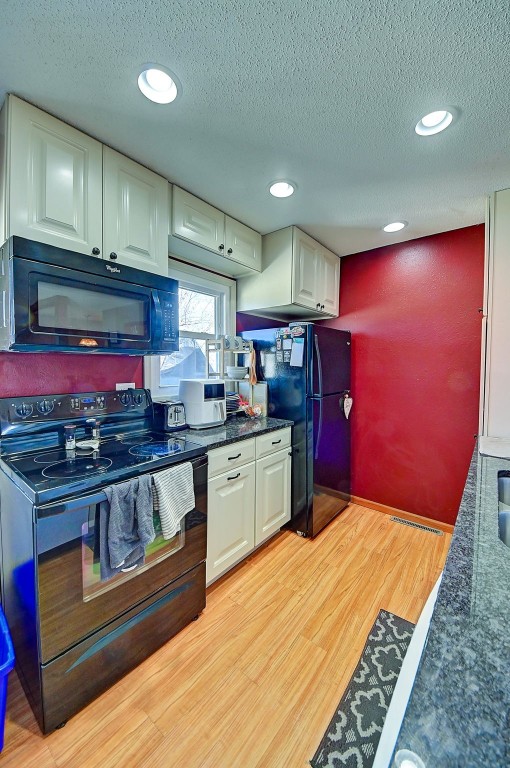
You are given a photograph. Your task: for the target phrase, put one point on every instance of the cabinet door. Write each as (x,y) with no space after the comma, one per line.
(273,494)
(330,283)
(306,267)
(231,512)
(496,399)
(243,244)
(55,174)
(198,222)
(135,214)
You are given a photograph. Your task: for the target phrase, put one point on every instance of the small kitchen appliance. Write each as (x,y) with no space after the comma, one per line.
(52,299)
(169,416)
(76,633)
(204,401)
(307,368)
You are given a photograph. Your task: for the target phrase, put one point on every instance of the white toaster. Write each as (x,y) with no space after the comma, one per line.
(204,401)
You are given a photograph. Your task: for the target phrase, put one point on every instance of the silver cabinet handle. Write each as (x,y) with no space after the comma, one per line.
(234,477)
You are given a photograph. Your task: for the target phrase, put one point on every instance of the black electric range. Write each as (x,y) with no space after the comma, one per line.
(33,453)
(75,630)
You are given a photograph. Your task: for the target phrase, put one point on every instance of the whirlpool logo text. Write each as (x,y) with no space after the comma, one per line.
(112,269)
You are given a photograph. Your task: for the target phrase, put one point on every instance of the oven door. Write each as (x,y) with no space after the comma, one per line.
(58,308)
(72,599)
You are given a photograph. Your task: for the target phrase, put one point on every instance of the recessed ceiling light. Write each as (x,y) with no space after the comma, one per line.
(158,84)
(395,226)
(434,122)
(282,188)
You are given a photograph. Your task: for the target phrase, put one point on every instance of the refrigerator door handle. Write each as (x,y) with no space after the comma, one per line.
(319,429)
(319,362)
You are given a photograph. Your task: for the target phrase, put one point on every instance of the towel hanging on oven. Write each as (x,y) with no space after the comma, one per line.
(173,496)
(126,525)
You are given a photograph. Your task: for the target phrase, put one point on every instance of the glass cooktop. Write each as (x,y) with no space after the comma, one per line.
(53,473)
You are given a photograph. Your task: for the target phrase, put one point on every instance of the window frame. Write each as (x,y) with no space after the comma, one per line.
(194,278)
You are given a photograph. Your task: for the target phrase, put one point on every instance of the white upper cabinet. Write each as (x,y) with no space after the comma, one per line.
(64,188)
(224,244)
(135,214)
(330,289)
(306,273)
(197,221)
(495,389)
(53,174)
(242,244)
(299,279)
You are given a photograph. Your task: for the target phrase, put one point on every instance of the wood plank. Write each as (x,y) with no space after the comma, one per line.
(255,681)
(446,527)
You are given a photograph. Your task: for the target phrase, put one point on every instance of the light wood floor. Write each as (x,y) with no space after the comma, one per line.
(254,682)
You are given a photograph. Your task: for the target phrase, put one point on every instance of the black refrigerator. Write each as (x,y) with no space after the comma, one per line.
(307,368)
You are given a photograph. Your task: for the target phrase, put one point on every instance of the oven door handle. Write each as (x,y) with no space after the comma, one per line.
(57,507)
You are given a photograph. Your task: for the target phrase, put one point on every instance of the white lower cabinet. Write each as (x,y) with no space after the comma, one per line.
(248,503)
(272,502)
(231,508)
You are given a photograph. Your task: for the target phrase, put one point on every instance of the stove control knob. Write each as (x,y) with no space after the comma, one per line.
(138,398)
(45,406)
(125,398)
(24,410)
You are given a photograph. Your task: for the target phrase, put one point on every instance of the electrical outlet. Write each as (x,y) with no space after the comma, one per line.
(125,385)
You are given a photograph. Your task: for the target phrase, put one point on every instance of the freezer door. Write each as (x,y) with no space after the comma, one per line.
(331,460)
(286,383)
(330,360)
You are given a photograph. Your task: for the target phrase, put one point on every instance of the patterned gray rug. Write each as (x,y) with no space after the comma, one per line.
(353,734)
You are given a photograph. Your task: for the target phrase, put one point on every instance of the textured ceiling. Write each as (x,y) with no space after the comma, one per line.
(324,93)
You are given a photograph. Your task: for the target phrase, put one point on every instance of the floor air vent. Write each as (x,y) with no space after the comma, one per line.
(417,525)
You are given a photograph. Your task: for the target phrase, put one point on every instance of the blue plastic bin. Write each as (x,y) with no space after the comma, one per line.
(6,664)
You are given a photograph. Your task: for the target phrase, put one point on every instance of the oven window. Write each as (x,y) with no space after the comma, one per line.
(63,306)
(158,550)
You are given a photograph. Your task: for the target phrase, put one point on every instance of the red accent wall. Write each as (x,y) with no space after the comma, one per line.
(413,312)
(58,373)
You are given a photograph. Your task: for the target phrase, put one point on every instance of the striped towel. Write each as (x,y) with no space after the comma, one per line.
(173,496)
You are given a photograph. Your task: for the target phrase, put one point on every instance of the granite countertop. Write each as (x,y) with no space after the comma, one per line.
(459,710)
(235,429)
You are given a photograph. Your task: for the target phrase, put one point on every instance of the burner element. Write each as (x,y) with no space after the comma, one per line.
(51,457)
(79,467)
(135,439)
(155,450)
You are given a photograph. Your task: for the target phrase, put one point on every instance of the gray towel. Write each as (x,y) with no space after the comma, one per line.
(126,525)
(174,496)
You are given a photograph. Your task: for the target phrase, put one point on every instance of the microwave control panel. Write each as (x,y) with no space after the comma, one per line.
(170,321)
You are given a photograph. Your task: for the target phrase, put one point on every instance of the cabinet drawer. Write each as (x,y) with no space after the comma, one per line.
(273,441)
(233,455)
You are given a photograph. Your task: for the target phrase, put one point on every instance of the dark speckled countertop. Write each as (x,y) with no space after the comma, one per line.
(459,711)
(235,429)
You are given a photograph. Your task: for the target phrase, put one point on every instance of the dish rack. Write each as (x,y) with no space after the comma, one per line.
(241,386)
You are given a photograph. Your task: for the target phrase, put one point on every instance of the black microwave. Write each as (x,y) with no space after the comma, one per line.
(56,300)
